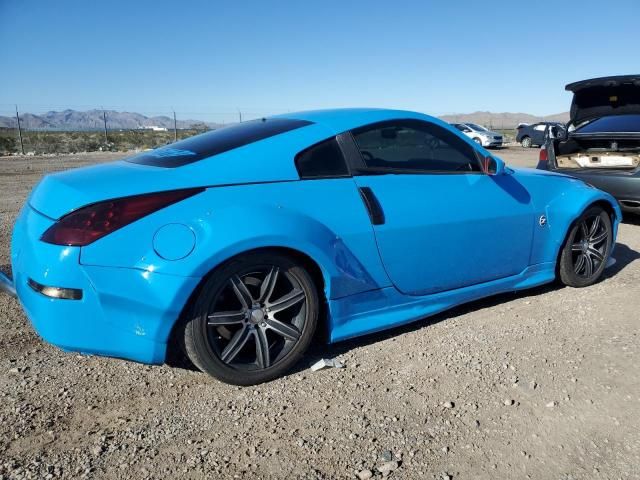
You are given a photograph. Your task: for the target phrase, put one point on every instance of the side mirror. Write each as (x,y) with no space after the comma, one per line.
(493,166)
(467,130)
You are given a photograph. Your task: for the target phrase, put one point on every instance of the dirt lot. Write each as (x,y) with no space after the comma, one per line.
(542,384)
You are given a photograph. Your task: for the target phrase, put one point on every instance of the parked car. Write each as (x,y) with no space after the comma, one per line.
(534,135)
(480,135)
(602,145)
(239,243)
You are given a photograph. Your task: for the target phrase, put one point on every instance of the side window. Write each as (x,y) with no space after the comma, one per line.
(540,128)
(414,145)
(322,160)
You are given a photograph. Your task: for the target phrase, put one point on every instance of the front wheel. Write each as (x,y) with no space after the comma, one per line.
(252,320)
(477,140)
(586,251)
(526,142)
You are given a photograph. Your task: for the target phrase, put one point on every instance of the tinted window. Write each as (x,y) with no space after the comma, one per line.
(620,123)
(414,145)
(217,141)
(322,160)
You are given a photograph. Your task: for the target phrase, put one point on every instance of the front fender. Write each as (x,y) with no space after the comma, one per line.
(558,202)
(565,209)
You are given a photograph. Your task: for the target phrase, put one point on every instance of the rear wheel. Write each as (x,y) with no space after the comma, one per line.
(253,319)
(586,251)
(526,142)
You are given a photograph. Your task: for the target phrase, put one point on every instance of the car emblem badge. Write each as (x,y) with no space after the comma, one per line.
(542,221)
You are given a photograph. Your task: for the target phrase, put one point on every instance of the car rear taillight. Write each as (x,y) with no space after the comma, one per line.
(88,224)
(543,157)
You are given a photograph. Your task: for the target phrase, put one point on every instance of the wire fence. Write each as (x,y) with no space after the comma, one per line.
(90,129)
(106,129)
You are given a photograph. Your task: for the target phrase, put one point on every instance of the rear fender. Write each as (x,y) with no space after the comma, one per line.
(325,220)
(343,273)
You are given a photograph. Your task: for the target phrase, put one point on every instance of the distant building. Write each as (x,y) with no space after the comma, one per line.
(155,128)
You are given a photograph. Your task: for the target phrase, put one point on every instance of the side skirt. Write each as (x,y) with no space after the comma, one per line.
(378,310)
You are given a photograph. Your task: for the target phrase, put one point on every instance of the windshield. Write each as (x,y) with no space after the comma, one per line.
(478,128)
(611,124)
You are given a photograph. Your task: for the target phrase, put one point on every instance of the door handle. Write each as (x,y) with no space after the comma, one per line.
(374,209)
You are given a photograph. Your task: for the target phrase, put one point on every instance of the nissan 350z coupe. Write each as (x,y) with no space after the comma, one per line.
(238,244)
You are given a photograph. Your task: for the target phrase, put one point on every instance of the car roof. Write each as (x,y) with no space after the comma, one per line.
(273,158)
(342,119)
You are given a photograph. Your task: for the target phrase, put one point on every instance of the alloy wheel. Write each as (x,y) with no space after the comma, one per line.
(257,318)
(589,246)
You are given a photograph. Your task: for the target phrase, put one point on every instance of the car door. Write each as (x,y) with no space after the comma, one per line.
(440,222)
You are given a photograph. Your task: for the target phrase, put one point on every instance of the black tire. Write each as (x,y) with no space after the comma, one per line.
(224,350)
(526,142)
(586,250)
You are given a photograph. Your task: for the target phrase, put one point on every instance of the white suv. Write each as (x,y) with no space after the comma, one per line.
(479,134)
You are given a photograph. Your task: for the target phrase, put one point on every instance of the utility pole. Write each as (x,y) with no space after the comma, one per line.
(104,119)
(240,115)
(19,131)
(175,127)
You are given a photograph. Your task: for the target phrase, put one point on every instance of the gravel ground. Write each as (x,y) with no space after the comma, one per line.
(541,384)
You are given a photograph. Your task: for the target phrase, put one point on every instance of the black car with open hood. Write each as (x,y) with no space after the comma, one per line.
(601,144)
(604,96)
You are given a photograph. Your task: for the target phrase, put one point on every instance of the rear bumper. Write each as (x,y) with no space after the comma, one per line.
(624,187)
(122,312)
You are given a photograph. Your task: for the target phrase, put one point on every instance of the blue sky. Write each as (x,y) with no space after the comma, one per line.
(207,58)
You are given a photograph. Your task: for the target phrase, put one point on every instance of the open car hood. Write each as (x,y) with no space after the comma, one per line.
(604,96)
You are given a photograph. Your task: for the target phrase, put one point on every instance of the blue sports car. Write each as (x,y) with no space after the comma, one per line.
(240,243)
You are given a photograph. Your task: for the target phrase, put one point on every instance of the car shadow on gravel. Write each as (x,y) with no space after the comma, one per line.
(624,256)
(319,351)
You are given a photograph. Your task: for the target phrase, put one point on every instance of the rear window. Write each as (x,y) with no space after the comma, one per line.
(612,124)
(217,141)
